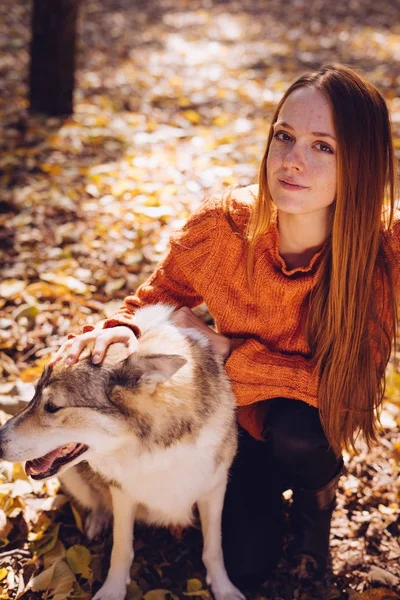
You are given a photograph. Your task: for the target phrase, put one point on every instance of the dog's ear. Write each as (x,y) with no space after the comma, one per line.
(158,368)
(147,371)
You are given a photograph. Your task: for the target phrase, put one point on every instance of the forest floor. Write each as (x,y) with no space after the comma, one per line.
(172,102)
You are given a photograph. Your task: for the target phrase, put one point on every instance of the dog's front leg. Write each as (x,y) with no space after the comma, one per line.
(210,509)
(118,577)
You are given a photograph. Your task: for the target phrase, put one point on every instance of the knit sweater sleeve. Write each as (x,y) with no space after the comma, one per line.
(182,278)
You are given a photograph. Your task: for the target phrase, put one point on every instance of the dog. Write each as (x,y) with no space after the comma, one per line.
(141,436)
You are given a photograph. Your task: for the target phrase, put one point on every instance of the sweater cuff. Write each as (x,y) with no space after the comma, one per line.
(109,323)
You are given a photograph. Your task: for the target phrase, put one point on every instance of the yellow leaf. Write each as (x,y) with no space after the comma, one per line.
(134,592)
(4,595)
(3,574)
(194,585)
(396,451)
(101,120)
(221,120)
(192,116)
(50,168)
(77,517)
(19,472)
(78,558)
(34,372)
(184,101)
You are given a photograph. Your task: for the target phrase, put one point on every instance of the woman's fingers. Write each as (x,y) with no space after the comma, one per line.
(72,349)
(60,354)
(77,346)
(121,334)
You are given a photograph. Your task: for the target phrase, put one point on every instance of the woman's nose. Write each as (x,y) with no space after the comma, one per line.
(294,158)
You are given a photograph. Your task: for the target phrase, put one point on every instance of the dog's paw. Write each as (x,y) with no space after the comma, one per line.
(227,592)
(95,523)
(111,591)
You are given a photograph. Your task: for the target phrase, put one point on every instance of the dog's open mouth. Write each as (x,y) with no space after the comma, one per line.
(49,464)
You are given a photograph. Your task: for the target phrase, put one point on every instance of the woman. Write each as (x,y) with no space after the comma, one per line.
(300,275)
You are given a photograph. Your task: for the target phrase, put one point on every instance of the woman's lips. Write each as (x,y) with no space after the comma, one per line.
(291,186)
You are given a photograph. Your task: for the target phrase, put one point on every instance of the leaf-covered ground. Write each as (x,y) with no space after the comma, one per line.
(172,102)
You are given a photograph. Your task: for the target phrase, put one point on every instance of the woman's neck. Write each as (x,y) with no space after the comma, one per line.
(301,236)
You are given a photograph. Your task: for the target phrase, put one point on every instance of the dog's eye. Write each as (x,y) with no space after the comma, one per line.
(51,408)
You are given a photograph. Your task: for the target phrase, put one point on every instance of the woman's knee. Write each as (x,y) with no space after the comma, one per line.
(297,441)
(294,428)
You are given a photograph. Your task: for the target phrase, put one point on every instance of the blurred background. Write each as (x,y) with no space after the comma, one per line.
(171,102)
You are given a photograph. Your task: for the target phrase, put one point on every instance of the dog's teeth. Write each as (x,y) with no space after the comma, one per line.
(69,447)
(33,471)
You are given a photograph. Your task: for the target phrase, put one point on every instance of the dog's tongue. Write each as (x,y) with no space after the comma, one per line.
(43,464)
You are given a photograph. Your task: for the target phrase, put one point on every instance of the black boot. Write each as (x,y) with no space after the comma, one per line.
(311,523)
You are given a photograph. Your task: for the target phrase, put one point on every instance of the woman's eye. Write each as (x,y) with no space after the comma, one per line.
(51,408)
(282,136)
(324,147)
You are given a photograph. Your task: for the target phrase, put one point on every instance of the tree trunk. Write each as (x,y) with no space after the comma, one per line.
(52,67)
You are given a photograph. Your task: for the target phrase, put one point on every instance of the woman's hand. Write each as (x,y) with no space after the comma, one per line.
(184,317)
(102,338)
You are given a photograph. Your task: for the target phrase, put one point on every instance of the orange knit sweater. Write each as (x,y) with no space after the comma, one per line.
(206,262)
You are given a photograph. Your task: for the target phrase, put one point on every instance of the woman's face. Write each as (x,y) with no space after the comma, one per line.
(301,162)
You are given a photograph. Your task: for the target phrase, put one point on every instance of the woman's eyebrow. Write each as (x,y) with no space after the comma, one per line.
(317,133)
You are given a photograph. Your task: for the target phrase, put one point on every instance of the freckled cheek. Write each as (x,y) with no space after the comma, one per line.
(274,158)
(326,178)
(274,164)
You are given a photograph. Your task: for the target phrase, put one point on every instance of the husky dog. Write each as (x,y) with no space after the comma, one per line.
(144,436)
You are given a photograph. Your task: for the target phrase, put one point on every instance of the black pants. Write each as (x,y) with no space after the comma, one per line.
(295,454)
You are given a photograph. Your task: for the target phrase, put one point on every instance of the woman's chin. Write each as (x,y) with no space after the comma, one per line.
(290,206)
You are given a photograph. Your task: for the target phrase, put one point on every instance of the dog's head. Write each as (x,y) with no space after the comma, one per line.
(84,409)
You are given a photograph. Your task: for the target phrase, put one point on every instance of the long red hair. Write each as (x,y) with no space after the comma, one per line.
(352,312)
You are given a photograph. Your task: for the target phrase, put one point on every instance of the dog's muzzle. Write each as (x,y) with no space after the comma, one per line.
(49,464)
